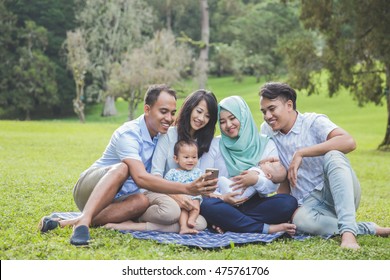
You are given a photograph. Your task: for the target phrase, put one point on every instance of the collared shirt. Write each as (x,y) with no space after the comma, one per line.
(309,129)
(132,140)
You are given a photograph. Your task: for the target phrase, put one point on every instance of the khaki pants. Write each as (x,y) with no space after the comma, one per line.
(163,214)
(87,183)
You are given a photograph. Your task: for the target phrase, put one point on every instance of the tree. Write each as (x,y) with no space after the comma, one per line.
(7,55)
(110,29)
(34,75)
(161,60)
(57,17)
(202,65)
(264,24)
(78,62)
(355,50)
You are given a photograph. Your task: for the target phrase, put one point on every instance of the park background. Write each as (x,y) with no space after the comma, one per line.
(73,101)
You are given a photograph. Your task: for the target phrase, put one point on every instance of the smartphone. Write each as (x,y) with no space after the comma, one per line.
(214,173)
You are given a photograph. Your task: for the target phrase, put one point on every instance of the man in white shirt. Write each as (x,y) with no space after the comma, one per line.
(313,149)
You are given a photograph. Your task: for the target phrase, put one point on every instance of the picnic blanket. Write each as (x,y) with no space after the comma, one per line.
(206,239)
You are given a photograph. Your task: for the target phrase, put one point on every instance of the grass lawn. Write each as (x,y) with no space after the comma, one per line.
(41,160)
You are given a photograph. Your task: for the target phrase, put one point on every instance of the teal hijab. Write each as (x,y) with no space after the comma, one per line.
(244,151)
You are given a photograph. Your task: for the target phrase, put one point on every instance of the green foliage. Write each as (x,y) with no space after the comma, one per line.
(31,78)
(35,84)
(349,40)
(110,29)
(57,17)
(264,23)
(8,44)
(356,49)
(180,16)
(160,60)
(41,162)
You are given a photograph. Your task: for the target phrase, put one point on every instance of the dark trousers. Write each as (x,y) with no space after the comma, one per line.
(251,215)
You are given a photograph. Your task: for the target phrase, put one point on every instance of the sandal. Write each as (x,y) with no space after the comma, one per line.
(80,236)
(47,223)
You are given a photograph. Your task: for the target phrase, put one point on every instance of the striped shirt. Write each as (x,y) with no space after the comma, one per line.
(309,129)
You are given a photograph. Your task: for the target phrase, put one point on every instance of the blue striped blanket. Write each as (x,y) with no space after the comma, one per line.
(205,239)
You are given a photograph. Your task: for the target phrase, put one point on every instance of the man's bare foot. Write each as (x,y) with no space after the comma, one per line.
(187,230)
(348,241)
(128,225)
(382,231)
(288,228)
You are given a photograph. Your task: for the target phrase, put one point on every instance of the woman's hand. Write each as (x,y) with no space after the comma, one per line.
(229,198)
(245,179)
(183,201)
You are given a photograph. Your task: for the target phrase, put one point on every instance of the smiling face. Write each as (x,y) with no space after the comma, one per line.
(278,114)
(187,156)
(229,124)
(199,117)
(160,115)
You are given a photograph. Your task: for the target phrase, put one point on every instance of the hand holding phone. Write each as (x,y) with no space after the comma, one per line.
(214,173)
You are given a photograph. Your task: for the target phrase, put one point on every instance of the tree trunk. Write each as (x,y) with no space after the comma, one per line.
(131,110)
(169,14)
(134,100)
(28,116)
(202,65)
(109,107)
(385,145)
(78,108)
(78,105)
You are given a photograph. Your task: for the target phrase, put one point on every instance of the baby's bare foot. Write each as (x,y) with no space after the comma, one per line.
(191,223)
(187,230)
(288,228)
(348,241)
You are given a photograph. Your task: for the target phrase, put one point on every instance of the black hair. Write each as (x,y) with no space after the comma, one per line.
(154,91)
(205,135)
(182,143)
(273,90)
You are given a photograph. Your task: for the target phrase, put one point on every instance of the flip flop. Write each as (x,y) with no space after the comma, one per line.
(47,223)
(80,236)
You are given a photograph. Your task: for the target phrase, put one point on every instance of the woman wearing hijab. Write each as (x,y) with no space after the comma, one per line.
(235,153)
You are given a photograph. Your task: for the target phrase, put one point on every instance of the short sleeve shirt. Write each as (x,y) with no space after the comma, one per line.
(309,129)
(130,141)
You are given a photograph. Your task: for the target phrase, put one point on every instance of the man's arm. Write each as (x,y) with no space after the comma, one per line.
(338,139)
(145,180)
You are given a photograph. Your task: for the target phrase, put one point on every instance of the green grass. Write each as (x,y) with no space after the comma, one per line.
(41,161)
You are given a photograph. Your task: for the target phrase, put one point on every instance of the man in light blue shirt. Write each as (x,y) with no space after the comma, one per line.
(108,191)
(320,176)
